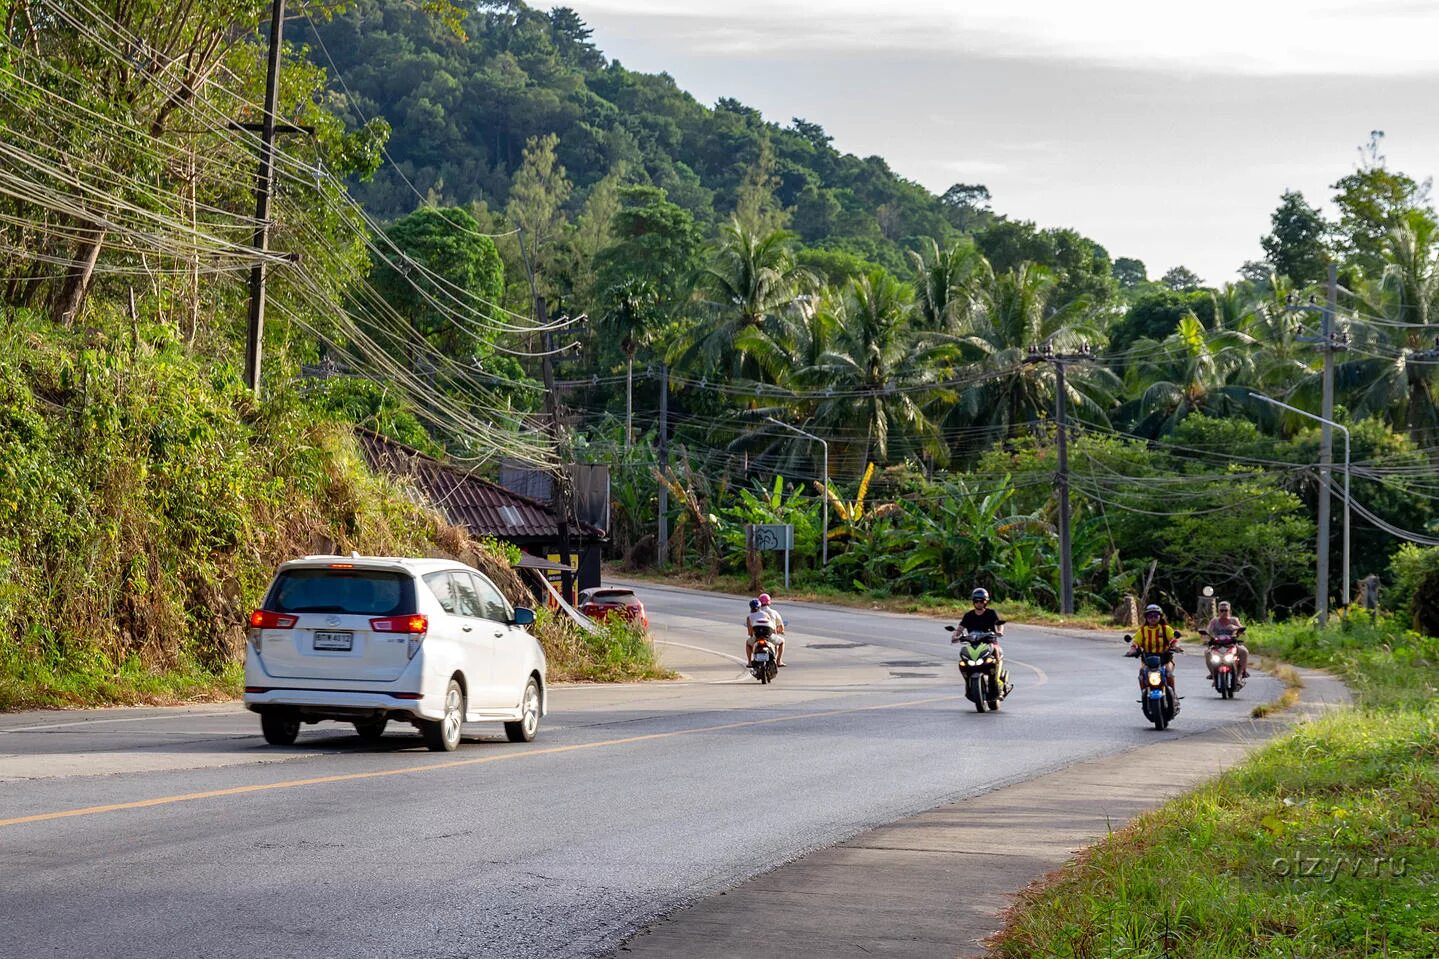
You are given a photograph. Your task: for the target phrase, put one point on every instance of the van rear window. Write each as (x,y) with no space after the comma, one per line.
(361,592)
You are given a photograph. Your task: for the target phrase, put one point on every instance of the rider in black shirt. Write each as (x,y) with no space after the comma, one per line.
(984,619)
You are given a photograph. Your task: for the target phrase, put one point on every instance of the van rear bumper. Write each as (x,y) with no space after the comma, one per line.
(342,705)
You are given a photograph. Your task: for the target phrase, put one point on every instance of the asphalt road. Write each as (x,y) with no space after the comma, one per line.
(179,833)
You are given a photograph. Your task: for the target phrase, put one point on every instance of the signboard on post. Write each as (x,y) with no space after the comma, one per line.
(771,536)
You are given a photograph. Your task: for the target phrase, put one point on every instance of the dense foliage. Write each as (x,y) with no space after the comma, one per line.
(833,333)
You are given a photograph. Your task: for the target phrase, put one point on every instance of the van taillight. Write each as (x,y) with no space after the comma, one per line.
(265,619)
(415,626)
(401,624)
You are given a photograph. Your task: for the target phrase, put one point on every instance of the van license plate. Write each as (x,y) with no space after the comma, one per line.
(325,639)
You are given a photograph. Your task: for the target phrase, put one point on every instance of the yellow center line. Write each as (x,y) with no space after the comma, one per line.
(452,764)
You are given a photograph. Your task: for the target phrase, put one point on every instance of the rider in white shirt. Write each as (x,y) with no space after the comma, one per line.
(757,617)
(777,621)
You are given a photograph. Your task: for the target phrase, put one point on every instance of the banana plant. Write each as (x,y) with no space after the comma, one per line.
(850,518)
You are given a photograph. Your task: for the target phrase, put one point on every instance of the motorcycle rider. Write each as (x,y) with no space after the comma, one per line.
(983,619)
(758,616)
(1156,638)
(1224,624)
(777,622)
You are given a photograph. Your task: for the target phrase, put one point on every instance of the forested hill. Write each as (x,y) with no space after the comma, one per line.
(463,109)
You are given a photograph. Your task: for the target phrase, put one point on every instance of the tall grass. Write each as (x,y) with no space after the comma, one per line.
(1323,844)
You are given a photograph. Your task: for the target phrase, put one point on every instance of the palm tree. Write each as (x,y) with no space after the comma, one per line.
(1192,370)
(750,283)
(1404,306)
(1010,316)
(631,314)
(881,372)
(944,282)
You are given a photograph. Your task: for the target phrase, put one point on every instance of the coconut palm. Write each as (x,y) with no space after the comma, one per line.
(1191,370)
(944,283)
(881,373)
(750,283)
(1011,315)
(1385,378)
(631,314)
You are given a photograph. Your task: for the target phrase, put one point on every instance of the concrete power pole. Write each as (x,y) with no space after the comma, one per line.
(255,332)
(1326,445)
(1046,354)
(662,540)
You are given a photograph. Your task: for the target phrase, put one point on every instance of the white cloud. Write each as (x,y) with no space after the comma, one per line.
(1257,37)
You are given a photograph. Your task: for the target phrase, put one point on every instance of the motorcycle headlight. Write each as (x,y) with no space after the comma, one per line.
(987,660)
(1155,678)
(1229,657)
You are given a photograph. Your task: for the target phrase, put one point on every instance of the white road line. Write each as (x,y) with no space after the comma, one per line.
(1043,676)
(701,649)
(126,719)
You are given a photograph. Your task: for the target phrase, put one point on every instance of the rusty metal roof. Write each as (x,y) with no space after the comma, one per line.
(464,499)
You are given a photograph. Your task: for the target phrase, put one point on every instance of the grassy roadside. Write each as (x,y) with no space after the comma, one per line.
(1323,844)
(945,607)
(616,653)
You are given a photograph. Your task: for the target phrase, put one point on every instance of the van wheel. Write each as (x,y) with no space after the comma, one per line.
(443,735)
(281,727)
(528,725)
(371,730)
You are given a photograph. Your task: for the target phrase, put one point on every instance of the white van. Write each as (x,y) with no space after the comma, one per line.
(366,639)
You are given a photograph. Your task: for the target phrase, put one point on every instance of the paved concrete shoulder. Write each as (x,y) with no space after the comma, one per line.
(896,891)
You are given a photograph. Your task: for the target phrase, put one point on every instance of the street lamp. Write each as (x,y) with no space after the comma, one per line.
(1294,409)
(824,500)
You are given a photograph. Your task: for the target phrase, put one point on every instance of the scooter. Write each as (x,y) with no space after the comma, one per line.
(1156,696)
(979,665)
(761,660)
(1222,659)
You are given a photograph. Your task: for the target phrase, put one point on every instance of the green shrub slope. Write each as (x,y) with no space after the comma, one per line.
(145,500)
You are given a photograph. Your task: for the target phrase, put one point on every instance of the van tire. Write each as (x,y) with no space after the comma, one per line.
(280,726)
(443,735)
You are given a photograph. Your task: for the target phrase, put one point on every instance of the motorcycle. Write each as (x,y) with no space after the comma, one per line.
(1223,660)
(1156,696)
(979,665)
(761,660)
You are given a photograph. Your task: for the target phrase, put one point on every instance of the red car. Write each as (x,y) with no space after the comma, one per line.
(601,602)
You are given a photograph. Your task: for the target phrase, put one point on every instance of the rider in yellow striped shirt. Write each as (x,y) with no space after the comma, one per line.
(1156,638)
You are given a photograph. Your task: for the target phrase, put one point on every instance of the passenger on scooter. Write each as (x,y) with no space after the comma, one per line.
(1223,624)
(1156,638)
(982,619)
(758,616)
(777,622)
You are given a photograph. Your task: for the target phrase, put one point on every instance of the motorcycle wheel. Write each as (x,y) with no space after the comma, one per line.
(772,669)
(976,692)
(1160,714)
(763,675)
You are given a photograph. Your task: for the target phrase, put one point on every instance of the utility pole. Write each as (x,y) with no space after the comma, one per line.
(559,493)
(1046,354)
(662,542)
(1347,500)
(255,331)
(1330,342)
(1326,443)
(560,489)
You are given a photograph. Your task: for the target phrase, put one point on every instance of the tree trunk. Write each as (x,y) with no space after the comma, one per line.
(77,281)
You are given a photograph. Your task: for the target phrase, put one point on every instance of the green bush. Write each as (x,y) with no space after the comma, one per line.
(145,500)
(1415,592)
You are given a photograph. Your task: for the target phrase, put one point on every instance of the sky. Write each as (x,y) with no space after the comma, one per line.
(1162,130)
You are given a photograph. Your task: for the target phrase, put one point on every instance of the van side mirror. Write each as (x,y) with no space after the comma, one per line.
(524,616)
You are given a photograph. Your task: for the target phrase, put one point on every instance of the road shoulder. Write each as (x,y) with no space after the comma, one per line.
(936,884)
